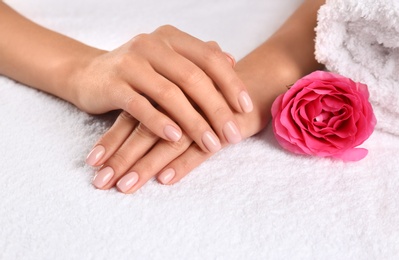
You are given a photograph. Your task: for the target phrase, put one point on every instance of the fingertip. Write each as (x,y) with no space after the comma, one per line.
(172,133)
(232,133)
(96,154)
(126,183)
(211,142)
(245,102)
(102,177)
(166,176)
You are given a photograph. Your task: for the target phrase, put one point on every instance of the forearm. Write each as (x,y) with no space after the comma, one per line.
(38,57)
(280,61)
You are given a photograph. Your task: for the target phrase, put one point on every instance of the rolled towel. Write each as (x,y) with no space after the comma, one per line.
(360,40)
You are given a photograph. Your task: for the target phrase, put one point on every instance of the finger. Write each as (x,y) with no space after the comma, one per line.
(231,59)
(199,87)
(150,165)
(212,61)
(229,83)
(141,108)
(182,165)
(171,99)
(112,139)
(134,147)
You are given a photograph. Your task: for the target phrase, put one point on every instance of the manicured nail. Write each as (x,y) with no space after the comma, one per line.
(95,155)
(245,102)
(230,58)
(127,181)
(166,176)
(102,177)
(172,133)
(211,142)
(231,132)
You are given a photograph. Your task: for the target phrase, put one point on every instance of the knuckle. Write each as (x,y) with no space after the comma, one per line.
(125,116)
(144,132)
(213,54)
(192,76)
(139,41)
(221,110)
(143,45)
(166,29)
(123,61)
(188,164)
(146,170)
(166,92)
(133,104)
(119,161)
(108,139)
(180,145)
(197,126)
(214,45)
(184,167)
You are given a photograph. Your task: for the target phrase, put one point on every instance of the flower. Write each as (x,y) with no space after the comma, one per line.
(324,114)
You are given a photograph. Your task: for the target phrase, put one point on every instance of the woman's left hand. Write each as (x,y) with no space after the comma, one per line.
(131,154)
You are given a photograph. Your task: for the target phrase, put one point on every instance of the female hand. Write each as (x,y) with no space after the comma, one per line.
(266,71)
(171,69)
(166,68)
(132,154)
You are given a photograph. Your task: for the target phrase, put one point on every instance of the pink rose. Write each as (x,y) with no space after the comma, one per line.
(324,114)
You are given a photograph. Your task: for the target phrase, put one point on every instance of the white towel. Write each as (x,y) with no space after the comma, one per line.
(360,40)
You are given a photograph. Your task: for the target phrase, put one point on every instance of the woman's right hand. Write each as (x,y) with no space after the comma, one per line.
(174,71)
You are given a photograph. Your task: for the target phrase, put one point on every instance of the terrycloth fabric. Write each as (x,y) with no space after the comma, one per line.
(250,201)
(360,40)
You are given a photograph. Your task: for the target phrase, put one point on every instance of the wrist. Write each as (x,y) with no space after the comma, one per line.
(70,78)
(266,72)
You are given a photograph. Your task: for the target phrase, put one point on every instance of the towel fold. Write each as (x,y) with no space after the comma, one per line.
(360,40)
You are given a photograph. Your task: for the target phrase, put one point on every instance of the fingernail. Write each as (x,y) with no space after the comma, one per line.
(211,142)
(95,155)
(172,133)
(102,177)
(230,58)
(127,181)
(231,132)
(245,102)
(166,176)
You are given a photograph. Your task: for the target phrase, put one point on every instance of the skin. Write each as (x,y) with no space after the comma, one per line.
(97,81)
(267,71)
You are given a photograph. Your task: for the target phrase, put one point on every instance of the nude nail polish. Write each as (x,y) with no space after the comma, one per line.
(211,142)
(172,133)
(127,181)
(166,176)
(231,132)
(103,177)
(245,102)
(95,155)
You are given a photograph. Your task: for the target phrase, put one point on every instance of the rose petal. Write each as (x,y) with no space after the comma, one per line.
(362,88)
(352,155)
(332,103)
(314,144)
(292,147)
(290,125)
(277,105)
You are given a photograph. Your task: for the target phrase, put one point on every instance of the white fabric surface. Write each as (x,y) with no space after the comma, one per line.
(250,201)
(360,40)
